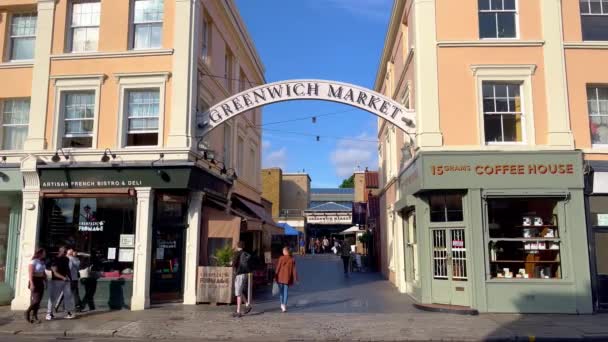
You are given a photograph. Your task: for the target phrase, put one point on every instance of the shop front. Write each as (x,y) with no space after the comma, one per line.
(131,226)
(11,183)
(496,231)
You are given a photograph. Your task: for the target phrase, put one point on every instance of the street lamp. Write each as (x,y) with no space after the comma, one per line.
(56,158)
(106,157)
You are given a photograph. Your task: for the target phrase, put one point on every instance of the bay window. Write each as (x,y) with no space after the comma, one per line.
(148,24)
(497,18)
(594,19)
(597,104)
(524,238)
(84,28)
(22,36)
(502,112)
(78,119)
(142,113)
(14,122)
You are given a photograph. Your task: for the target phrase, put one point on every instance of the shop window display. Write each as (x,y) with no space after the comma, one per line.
(524,238)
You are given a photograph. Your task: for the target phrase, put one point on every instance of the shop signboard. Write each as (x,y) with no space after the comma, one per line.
(214,284)
(330,219)
(602,220)
(496,170)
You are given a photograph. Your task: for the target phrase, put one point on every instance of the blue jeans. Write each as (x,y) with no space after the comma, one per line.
(283,289)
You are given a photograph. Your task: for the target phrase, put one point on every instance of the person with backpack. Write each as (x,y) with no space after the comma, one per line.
(241,264)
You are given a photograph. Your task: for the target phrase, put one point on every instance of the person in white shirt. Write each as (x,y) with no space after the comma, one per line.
(75,276)
(37,277)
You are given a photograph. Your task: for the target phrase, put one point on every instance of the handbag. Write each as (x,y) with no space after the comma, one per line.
(275,288)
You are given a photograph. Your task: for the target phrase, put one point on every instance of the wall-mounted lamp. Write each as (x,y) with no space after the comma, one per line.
(106,157)
(56,158)
(230,172)
(3,159)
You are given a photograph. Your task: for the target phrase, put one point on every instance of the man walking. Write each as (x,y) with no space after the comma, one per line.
(241,266)
(60,282)
(345,254)
(302,246)
(325,245)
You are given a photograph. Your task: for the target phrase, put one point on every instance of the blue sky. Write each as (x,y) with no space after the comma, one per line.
(325,39)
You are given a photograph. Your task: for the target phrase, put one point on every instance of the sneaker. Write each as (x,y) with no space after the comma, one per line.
(70,316)
(49,317)
(248,309)
(237,315)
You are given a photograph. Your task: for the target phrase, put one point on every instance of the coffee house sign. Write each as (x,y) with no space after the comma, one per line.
(348,94)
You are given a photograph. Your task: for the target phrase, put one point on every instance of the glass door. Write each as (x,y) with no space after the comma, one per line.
(449,258)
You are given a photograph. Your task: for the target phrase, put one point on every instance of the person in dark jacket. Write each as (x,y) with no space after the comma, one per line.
(286,275)
(345,254)
(240,279)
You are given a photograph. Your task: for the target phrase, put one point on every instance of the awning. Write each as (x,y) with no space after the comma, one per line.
(352,230)
(256,209)
(288,229)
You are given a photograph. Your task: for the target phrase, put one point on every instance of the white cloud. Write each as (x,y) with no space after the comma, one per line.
(276,158)
(372,9)
(266,144)
(355,154)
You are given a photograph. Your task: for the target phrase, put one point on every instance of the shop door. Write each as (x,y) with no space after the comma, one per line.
(167,264)
(449,259)
(601,264)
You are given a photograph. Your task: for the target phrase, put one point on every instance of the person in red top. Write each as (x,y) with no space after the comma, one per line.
(285,275)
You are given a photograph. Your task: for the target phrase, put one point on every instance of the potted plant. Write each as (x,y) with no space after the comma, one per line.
(215,282)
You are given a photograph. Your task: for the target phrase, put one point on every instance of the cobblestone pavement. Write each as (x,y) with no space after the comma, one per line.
(324,306)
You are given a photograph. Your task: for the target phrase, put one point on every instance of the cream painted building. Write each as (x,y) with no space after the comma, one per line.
(101,107)
(484,208)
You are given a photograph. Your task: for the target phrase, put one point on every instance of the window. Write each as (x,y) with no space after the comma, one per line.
(597,104)
(227,145)
(148,24)
(228,69)
(446,208)
(22,36)
(206,44)
(502,112)
(405,100)
(594,19)
(79,119)
(240,150)
(524,238)
(84,28)
(243,82)
(497,19)
(412,245)
(142,113)
(15,120)
(253,165)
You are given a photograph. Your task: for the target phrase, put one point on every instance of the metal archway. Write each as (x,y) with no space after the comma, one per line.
(324,90)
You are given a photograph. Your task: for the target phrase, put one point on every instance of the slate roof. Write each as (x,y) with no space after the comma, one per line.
(331,206)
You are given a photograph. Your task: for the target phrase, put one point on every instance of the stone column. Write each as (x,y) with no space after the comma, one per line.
(28,238)
(560,133)
(184,73)
(143,249)
(40,76)
(427,84)
(193,239)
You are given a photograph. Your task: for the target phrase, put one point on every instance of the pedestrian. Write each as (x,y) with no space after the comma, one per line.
(302,246)
(241,266)
(74,276)
(37,279)
(60,282)
(88,280)
(286,276)
(312,246)
(345,254)
(325,245)
(318,245)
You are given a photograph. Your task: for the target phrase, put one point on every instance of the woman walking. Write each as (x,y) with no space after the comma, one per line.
(37,276)
(286,275)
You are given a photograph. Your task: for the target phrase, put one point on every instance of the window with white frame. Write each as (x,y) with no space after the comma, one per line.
(147,24)
(502,112)
(84,28)
(22,36)
(597,104)
(594,19)
(142,116)
(228,61)
(240,155)
(497,18)
(206,35)
(78,119)
(14,122)
(227,145)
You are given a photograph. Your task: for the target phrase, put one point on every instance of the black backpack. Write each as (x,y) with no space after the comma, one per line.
(244,263)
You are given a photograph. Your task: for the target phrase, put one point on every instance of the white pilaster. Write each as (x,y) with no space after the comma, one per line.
(143,249)
(40,76)
(193,239)
(560,133)
(28,233)
(427,84)
(184,76)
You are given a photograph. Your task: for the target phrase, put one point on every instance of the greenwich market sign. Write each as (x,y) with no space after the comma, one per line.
(348,94)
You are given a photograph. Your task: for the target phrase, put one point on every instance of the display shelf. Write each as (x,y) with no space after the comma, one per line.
(543,226)
(526,262)
(541,239)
